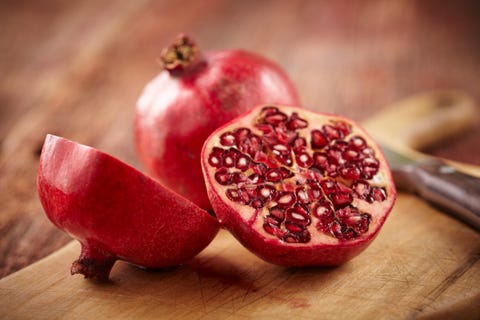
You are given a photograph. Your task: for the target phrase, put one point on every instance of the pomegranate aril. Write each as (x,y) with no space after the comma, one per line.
(228,139)
(295,122)
(293,227)
(238,195)
(302,195)
(378,194)
(320,161)
(215,158)
(259,168)
(265,128)
(339,145)
(285,199)
(268,110)
(286,173)
(329,186)
(299,214)
(341,199)
(277,213)
(317,139)
(257,203)
(238,177)
(266,192)
(297,237)
(223,177)
(357,143)
(361,189)
(255,178)
(350,172)
(273,175)
(275,119)
(331,133)
(304,160)
(369,172)
(315,191)
(273,229)
(299,145)
(351,155)
(242,162)
(229,158)
(343,127)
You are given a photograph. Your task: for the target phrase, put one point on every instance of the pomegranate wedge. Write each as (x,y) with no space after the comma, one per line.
(298,188)
(116,212)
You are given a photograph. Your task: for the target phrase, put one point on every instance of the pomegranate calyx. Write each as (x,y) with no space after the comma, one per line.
(93,263)
(183,54)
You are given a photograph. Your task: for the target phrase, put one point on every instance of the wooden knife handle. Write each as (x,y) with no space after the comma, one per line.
(445,186)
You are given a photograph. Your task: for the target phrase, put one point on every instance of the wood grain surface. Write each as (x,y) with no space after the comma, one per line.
(76,68)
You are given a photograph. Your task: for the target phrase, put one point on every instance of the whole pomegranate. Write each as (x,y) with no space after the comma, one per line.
(296,187)
(189,99)
(116,212)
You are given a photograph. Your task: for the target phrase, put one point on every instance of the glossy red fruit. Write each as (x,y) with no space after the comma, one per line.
(298,188)
(116,212)
(195,94)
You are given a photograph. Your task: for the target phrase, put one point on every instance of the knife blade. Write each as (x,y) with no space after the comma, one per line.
(439,183)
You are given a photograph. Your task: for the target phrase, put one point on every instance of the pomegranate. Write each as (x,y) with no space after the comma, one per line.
(193,95)
(298,188)
(116,212)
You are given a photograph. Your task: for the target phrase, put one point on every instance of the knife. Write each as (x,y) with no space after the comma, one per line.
(439,183)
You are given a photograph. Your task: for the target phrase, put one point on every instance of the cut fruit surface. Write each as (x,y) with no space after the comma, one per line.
(297,187)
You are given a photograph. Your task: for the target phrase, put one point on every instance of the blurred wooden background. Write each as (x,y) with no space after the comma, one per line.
(76,68)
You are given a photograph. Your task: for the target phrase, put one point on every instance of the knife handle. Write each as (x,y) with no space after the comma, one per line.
(445,186)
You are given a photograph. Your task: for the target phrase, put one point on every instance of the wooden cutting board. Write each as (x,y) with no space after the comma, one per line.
(423,264)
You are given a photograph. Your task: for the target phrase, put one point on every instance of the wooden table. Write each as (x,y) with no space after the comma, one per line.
(76,68)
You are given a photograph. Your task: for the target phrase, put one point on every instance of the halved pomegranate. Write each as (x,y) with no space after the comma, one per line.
(296,187)
(116,212)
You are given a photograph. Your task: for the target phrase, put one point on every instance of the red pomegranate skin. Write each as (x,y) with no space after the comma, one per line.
(116,212)
(179,109)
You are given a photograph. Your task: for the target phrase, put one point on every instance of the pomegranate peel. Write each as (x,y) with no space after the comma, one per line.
(116,212)
(298,188)
(195,93)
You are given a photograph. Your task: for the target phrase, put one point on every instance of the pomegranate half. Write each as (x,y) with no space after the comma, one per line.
(116,212)
(298,188)
(195,94)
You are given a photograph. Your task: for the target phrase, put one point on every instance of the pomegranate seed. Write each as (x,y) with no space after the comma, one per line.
(293,227)
(274,175)
(361,189)
(238,177)
(266,192)
(243,162)
(315,192)
(350,172)
(318,140)
(331,133)
(265,128)
(268,111)
(329,186)
(285,199)
(259,168)
(299,214)
(322,208)
(304,160)
(296,122)
(216,157)
(223,177)
(257,203)
(285,173)
(340,145)
(378,194)
(278,213)
(341,199)
(320,161)
(293,237)
(302,195)
(227,139)
(276,119)
(255,178)
(343,127)
(299,145)
(357,143)
(350,155)
(273,229)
